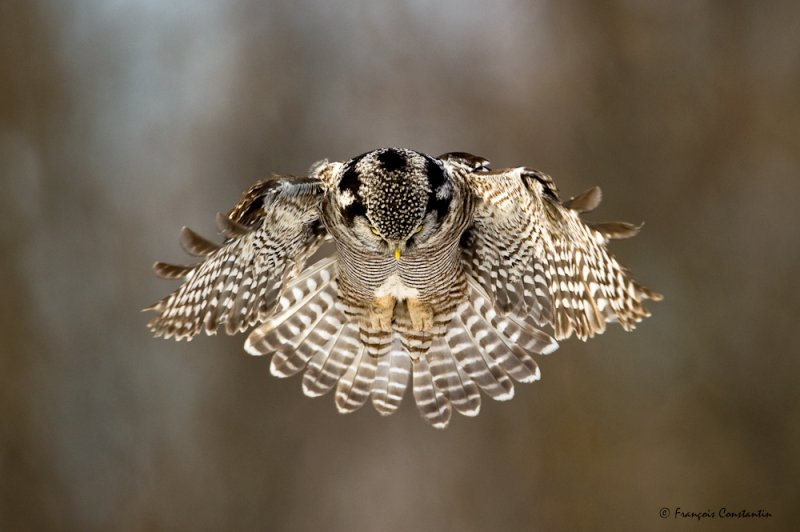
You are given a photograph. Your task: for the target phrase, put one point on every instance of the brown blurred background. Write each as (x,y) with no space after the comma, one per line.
(121,121)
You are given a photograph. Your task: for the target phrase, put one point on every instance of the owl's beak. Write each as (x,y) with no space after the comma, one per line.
(396,253)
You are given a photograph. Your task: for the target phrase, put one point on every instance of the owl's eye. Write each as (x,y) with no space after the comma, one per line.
(418,229)
(374,230)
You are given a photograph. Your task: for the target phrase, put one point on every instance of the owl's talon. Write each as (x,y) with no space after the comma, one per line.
(381,322)
(381,314)
(421,315)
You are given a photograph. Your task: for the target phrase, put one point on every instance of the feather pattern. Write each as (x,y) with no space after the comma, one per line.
(328,365)
(569,280)
(238,283)
(454,383)
(355,386)
(482,370)
(171,271)
(391,380)
(444,276)
(432,404)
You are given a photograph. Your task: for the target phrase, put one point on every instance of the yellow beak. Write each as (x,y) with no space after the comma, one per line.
(396,253)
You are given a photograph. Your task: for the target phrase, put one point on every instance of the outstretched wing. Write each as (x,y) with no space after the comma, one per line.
(270,234)
(535,257)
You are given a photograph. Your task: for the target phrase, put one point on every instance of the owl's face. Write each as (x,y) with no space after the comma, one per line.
(393,199)
(392,244)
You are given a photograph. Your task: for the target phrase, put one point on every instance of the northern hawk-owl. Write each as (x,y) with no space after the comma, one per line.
(444,274)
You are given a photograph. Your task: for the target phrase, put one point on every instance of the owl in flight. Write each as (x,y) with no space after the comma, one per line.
(446,273)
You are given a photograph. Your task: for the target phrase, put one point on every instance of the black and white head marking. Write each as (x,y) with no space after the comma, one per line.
(395,189)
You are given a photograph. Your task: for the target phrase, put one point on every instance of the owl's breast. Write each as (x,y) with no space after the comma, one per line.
(395,287)
(428,272)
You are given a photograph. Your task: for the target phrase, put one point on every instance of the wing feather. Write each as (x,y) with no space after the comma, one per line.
(196,245)
(534,257)
(270,233)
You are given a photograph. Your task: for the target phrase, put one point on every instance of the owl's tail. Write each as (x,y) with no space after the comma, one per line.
(310,332)
(479,350)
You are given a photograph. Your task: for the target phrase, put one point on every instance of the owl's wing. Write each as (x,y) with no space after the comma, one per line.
(535,257)
(269,235)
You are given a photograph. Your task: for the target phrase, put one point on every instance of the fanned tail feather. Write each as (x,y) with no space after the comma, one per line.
(448,377)
(391,380)
(311,331)
(479,349)
(431,401)
(487,374)
(303,323)
(510,341)
(355,385)
(326,367)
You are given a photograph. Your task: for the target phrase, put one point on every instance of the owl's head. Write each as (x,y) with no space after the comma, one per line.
(393,199)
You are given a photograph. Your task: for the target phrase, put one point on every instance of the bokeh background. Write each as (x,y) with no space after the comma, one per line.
(122,120)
